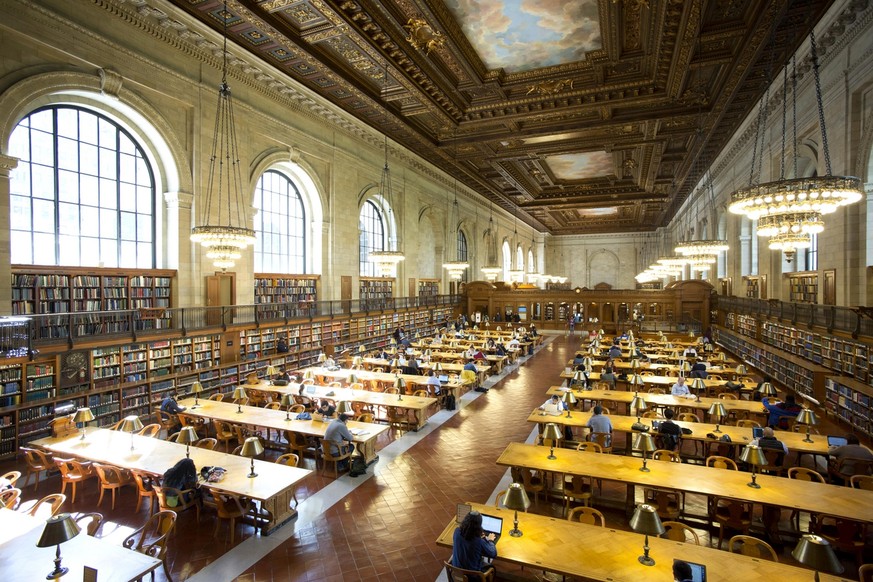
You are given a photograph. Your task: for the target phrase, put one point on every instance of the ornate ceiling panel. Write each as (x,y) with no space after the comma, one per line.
(601,117)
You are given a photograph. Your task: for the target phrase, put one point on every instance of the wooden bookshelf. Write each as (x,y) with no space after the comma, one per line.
(802,287)
(850,401)
(375,292)
(285,295)
(753,286)
(428,287)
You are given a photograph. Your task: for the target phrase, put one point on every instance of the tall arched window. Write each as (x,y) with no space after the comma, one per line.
(83,193)
(531,267)
(519,258)
(507,260)
(462,251)
(280,225)
(372,227)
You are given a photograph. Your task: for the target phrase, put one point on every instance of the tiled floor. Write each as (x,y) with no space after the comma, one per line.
(383,526)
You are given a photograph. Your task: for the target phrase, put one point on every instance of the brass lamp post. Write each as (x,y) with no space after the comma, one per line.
(807,417)
(718,412)
(187,436)
(58,529)
(553,433)
(754,456)
(646,521)
(516,498)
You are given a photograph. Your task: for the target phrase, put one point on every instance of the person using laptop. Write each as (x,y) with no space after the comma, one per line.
(768,440)
(682,571)
(669,433)
(433,384)
(470,544)
(553,406)
(843,457)
(680,388)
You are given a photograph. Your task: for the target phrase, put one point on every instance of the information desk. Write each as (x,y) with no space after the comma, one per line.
(821,498)
(365,433)
(416,405)
(273,487)
(625,397)
(739,436)
(589,552)
(20,559)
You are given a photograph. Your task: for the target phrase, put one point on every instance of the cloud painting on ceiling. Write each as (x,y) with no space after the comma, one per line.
(596,212)
(520,35)
(581,166)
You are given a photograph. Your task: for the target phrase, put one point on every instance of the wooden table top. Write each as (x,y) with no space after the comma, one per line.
(603,554)
(625,396)
(447,366)
(343,374)
(275,419)
(365,396)
(822,498)
(739,436)
(729,368)
(155,456)
(20,559)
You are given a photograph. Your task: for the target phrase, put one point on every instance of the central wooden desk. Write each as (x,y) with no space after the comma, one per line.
(273,487)
(589,552)
(365,433)
(821,498)
(625,397)
(20,559)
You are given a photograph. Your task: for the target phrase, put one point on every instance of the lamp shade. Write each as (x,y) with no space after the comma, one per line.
(286,401)
(322,358)
(579,376)
(753,455)
(638,404)
(698,384)
(817,553)
(645,520)
(569,398)
(83,415)
(131,423)
(58,529)
(685,366)
(271,371)
(717,409)
(400,384)
(552,432)
(437,367)
(308,374)
(636,380)
(516,498)
(741,369)
(361,349)
(644,442)
(196,387)
(357,361)
(767,389)
(239,393)
(394,363)
(353,379)
(187,436)
(722,356)
(252,447)
(587,361)
(635,363)
(344,407)
(807,416)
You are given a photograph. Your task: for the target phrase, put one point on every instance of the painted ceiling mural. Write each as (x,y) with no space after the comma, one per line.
(519,35)
(581,166)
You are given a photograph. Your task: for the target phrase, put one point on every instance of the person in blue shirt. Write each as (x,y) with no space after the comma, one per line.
(780,413)
(470,365)
(470,544)
(615,351)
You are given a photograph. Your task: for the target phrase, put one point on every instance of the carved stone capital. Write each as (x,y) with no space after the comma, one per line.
(176,200)
(110,82)
(7,164)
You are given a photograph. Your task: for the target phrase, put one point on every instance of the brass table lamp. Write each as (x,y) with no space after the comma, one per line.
(83,415)
(131,424)
(58,529)
(196,388)
(553,433)
(516,498)
(807,417)
(569,401)
(251,448)
(817,553)
(187,436)
(239,394)
(717,411)
(754,456)
(645,443)
(645,520)
(286,403)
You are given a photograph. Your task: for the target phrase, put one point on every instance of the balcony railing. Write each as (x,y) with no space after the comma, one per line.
(855,321)
(22,336)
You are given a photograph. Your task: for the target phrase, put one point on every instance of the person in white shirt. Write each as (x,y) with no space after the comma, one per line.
(553,406)
(433,384)
(513,343)
(690,352)
(680,389)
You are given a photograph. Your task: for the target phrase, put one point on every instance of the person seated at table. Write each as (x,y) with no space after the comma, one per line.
(501,350)
(471,351)
(853,449)
(533,330)
(600,422)
(682,572)
(182,476)
(478,355)
(341,438)
(170,406)
(698,370)
(781,412)
(491,345)
(578,359)
(405,342)
(471,545)
(614,351)
(669,432)
(553,406)
(690,352)
(768,440)
(411,367)
(281,346)
(608,374)
(326,409)
(471,365)
(583,383)
(434,387)
(513,343)
(681,389)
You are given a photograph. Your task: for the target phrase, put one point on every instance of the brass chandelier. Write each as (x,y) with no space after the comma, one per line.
(492,270)
(226,238)
(456,268)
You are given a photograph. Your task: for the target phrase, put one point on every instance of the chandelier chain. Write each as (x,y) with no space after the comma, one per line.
(794,111)
(821,117)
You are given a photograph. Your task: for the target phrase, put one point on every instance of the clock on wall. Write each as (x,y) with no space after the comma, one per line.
(74,368)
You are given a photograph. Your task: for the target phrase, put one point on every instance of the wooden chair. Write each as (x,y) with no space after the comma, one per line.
(861,482)
(144,489)
(746,423)
(455,574)
(218,397)
(90,522)
(728,396)
(151,430)
(577,489)
(170,499)
(295,409)
(11,476)
(844,535)
(732,514)
(301,445)
(865,573)
(112,479)
(688,417)
(36,461)
(668,504)
(665,455)
(167,421)
(752,546)
(804,474)
(53,501)
(604,439)
(775,462)
(587,515)
(847,467)
(199,424)
(534,481)
(257,397)
(291,460)
(151,539)
(208,443)
(365,417)
(174,438)
(224,433)
(721,463)
(328,457)
(10,498)
(679,532)
(230,507)
(73,472)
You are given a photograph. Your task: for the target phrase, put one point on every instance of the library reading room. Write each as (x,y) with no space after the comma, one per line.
(436,290)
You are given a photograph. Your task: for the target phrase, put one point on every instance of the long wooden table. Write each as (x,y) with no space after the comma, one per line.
(20,559)
(669,369)
(365,433)
(739,436)
(448,367)
(665,382)
(602,554)
(415,405)
(273,487)
(625,397)
(820,498)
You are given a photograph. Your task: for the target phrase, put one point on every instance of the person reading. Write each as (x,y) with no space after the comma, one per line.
(552,406)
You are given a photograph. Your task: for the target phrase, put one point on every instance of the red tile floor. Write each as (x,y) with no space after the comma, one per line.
(385,529)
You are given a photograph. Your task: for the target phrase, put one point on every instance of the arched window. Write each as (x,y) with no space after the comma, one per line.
(530,262)
(372,227)
(462,251)
(507,260)
(280,225)
(519,258)
(83,193)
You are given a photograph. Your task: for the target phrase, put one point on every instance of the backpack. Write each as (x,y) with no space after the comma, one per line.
(358,466)
(450,402)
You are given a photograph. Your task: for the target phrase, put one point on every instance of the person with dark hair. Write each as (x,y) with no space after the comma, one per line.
(600,422)
(851,451)
(614,351)
(326,409)
(182,477)
(779,413)
(170,406)
(682,571)
(669,432)
(281,346)
(608,374)
(339,433)
(470,544)
(765,380)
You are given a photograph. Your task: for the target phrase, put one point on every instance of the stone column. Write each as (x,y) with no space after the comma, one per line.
(180,253)
(7,164)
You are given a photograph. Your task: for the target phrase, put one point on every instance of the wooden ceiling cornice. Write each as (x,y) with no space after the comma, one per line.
(670,85)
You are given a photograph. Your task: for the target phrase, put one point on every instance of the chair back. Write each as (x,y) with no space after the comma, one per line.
(865,573)
(207,443)
(589,446)
(752,546)
(679,532)
(720,462)
(11,477)
(688,417)
(666,455)
(862,482)
(290,459)
(9,498)
(151,430)
(53,501)
(587,515)
(90,522)
(151,539)
(455,574)
(746,423)
(604,439)
(804,474)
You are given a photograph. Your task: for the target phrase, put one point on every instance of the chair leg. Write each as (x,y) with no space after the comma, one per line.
(100,499)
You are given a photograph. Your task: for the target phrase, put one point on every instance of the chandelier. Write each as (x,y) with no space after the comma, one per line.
(702,247)
(492,270)
(456,268)
(227,237)
(788,211)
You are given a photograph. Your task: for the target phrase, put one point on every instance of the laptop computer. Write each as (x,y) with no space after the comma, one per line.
(444,379)
(757,432)
(310,389)
(492,524)
(698,571)
(836,441)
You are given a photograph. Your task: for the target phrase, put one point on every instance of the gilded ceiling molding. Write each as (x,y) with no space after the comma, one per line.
(422,36)
(550,87)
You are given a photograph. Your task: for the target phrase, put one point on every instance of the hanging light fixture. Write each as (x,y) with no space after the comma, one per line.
(491,270)
(456,268)
(227,237)
(386,261)
(789,210)
(516,275)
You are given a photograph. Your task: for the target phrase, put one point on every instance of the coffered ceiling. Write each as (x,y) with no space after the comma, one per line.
(582,116)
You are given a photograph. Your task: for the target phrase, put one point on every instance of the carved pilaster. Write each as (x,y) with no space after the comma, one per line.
(7,164)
